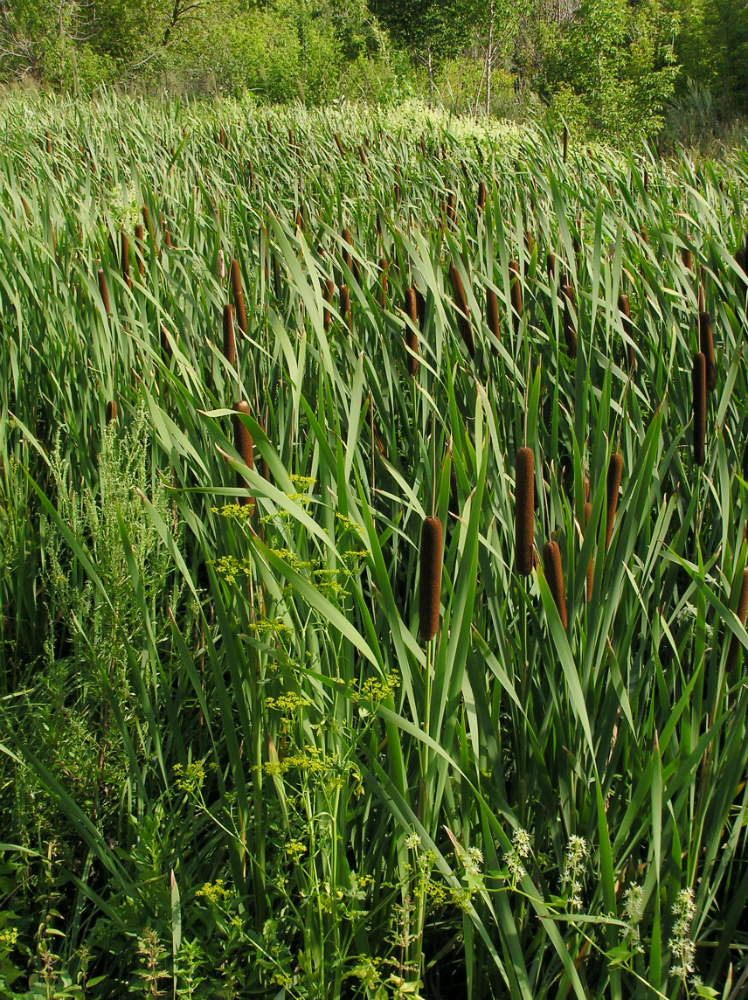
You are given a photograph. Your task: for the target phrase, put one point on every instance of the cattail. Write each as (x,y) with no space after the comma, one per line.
(221,265)
(451,207)
(362,156)
(27,211)
(492,313)
(125,254)
(550,264)
(299,221)
(166,350)
(411,339)
(615,468)
(383,268)
(229,343)
(555,578)
(706,345)
(347,256)
(250,174)
(329,292)
(139,248)
(111,412)
(524,511)
(735,645)
(625,310)
(236,291)
(591,563)
(529,241)
(686,257)
(345,304)
(516,292)
(463,313)
(566,142)
(167,235)
(481,196)
(339,144)
(269,126)
(243,445)
(646,180)
(103,291)
(698,384)
(570,330)
(431,578)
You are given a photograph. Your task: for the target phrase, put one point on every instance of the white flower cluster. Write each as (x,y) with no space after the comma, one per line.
(513,857)
(576,853)
(680,944)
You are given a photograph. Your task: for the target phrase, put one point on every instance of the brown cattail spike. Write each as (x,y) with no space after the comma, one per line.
(706,346)
(591,563)
(329,292)
(698,385)
(103,291)
(735,646)
(481,196)
(615,468)
(125,253)
(238,295)
(492,313)
(243,445)
(524,511)
(347,255)
(463,313)
(555,578)
(111,412)
(431,578)
(411,339)
(229,343)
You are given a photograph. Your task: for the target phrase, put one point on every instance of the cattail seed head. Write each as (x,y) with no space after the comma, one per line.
(463,313)
(550,264)
(565,142)
(229,343)
(524,511)
(103,290)
(706,346)
(111,412)
(243,445)
(698,385)
(481,196)
(615,468)
(492,313)
(555,577)
(431,578)
(411,339)
(735,645)
(329,293)
(347,255)
(125,254)
(238,295)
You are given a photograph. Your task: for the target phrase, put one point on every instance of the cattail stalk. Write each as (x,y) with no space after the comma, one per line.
(243,445)
(555,577)
(103,290)
(411,339)
(431,578)
(615,468)
(698,384)
(229,342)
(735,644)
(524,511)
(463,313)
(125,254)
(238,295)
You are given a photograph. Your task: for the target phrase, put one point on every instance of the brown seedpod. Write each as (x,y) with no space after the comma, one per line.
(698,385)
(243,445)
(550,264)
(735,645)
(229,343)
(347,255)
(555,577)
(111,412)
(492,313)
(339,144)
(687,257)
(125,255)
(613,483)
(103,290)
(570,330)
(238,295)
(411,339)
(463,313)
(431,578)
(565,142)
(524,511)
(706,346)
(481,196)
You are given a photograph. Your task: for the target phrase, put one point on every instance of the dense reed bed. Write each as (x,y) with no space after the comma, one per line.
(373,559)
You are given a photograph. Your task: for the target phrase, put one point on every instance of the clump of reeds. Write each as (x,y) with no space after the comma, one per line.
(463,313)
(515,288)
(735,645)
(411,339)
(238,295)
(103,290)
(111,412)
(698,385)
(125,255)
(555,577)
(613,484)
(706,346)
(524,511)
(492,313)
(431,578)
(229,342)
(570,330)
(244,447)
